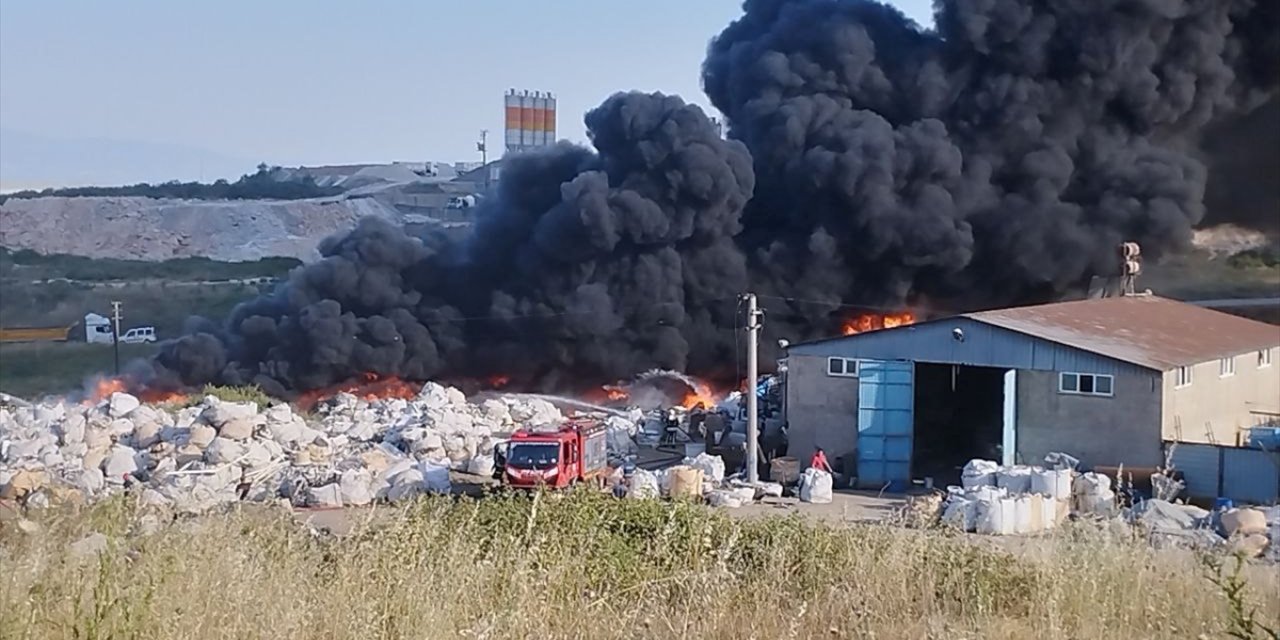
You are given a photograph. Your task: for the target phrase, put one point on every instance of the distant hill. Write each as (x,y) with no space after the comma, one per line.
(32,161)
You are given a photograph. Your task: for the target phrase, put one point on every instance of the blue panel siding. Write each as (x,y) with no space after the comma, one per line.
(1240,473)
(984,345)
(886,399)
(1199,464)
(1250,475)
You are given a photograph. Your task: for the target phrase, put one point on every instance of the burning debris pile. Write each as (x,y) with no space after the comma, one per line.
(351,451)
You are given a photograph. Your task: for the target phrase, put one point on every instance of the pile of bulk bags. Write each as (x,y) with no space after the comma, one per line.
(996,500)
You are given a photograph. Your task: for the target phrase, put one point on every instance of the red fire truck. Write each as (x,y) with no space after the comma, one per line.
(575,452)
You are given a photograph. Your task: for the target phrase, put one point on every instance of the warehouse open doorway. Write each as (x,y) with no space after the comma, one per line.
(959,415)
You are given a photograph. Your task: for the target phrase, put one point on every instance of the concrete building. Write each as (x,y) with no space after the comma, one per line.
(1111,381)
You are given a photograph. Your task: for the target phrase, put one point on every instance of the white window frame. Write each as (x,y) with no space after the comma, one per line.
(1226,367)
(844,367)
(1184,377)
(1094,377)
(1264,358)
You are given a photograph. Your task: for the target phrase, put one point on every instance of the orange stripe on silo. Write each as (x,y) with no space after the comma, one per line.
(513,117)
(539,118)
(526,117)
(549,122)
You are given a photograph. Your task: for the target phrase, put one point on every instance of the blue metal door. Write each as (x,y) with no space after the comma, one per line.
(885,423)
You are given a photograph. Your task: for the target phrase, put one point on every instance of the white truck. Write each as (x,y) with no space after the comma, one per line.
(138,335)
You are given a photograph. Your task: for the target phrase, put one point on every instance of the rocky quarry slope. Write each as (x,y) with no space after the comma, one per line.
(160,229)
(351,452)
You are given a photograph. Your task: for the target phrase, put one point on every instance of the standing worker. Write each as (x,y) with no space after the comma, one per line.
(819,461)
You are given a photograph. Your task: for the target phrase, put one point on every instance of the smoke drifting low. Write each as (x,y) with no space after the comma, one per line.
(997,159)
(594,263)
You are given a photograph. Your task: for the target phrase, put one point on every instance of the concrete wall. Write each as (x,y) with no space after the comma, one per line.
(1123,428)
(822,410)
(1214,409)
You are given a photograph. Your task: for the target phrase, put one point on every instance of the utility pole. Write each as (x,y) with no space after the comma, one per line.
(483,148)
(753,381)
(115,335)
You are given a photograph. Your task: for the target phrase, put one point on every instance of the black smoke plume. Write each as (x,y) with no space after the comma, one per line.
(595,263)
(999,158)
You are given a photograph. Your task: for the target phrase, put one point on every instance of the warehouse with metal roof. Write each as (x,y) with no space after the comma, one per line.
(1112,381)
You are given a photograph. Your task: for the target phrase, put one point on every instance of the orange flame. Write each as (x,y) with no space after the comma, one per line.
(616,393)
(370,387)
(160,396)
(700,395)
(104,387)
(499,381)
(874,321)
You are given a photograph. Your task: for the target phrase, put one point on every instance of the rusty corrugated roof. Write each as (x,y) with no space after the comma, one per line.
(1148,331)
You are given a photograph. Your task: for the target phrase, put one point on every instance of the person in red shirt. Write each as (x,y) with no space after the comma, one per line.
(819,460)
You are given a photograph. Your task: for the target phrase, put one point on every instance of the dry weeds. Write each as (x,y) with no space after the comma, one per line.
(587,566)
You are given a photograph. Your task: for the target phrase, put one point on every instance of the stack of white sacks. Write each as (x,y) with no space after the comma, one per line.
(708,473)
(351,452)
(998,500)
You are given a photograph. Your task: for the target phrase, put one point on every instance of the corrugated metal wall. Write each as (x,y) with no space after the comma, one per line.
(1239,473)
(1200,465)
(1250,475)
(983,346)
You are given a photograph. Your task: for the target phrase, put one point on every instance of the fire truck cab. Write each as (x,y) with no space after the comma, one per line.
(575,452)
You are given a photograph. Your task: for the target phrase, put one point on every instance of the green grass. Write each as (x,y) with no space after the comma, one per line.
(249,393)
(30,370)
(1196,276)
(26,265)
(164,306)
(587,566)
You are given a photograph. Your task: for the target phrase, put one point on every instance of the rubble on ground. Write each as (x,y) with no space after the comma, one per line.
(350,451)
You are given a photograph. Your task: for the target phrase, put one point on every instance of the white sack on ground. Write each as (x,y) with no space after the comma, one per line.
(815,486)
(643,485)
(979,473)
(1016,480)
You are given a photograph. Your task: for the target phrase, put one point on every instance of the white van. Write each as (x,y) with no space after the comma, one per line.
(138,335)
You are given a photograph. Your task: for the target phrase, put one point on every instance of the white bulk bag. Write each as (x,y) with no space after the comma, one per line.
(435,476)
(1244,521)
(1015,480)
(979,473)
(746,495)
(1051,483)
(770,490)
(960,512)
(727,499)
(480,465)
(1052,512)
(712,466)
(815,486)
(1091,483)
(1022,515)
(643,485)
(995,517)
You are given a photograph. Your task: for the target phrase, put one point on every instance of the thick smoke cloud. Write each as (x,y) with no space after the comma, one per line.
(998,159)
(588,262)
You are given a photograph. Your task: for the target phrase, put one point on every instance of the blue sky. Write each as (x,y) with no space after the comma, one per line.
(110,92)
